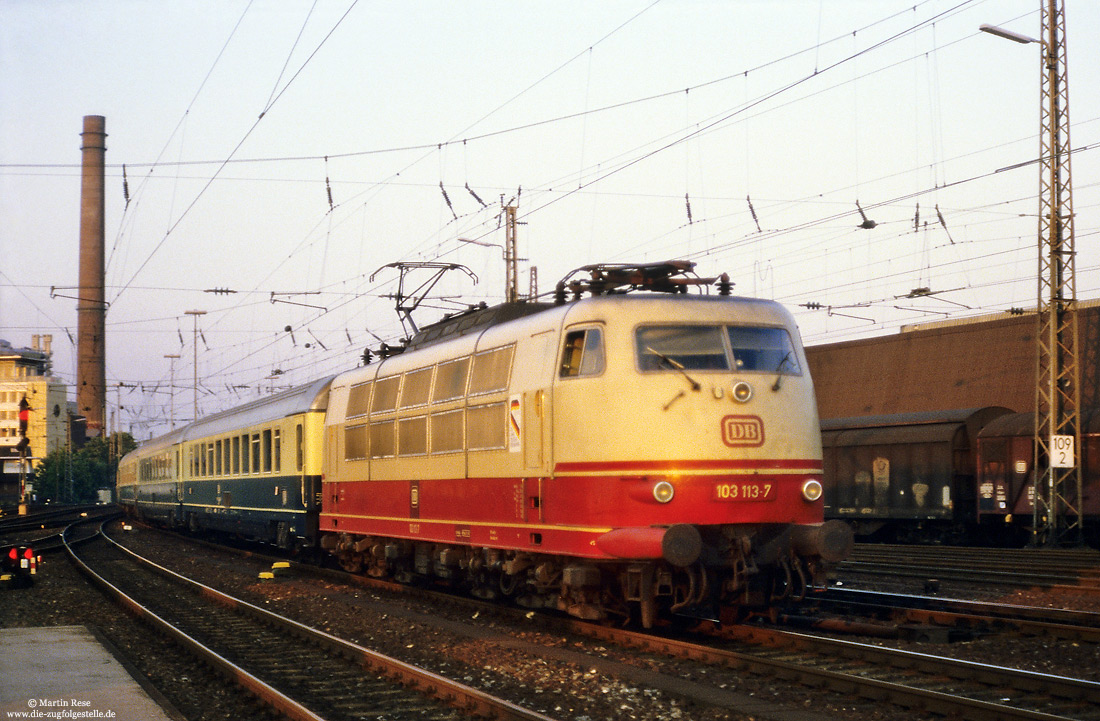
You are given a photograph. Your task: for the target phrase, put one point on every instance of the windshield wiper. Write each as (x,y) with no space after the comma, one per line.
(677,366)
(779,370)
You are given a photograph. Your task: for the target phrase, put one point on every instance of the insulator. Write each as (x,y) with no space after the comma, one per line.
(476,197)
(448,200)
(687,202)
(753,211)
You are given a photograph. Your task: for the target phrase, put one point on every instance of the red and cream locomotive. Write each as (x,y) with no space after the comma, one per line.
(618,454)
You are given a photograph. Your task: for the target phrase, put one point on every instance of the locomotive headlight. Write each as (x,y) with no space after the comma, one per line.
(742,392)
(663,492)
(811,489)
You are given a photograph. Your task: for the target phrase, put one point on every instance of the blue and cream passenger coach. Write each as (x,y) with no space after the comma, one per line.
(253,470)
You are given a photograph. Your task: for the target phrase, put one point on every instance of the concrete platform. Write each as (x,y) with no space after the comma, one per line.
(67,669)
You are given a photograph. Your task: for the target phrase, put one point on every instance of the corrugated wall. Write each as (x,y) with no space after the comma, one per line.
(984,363)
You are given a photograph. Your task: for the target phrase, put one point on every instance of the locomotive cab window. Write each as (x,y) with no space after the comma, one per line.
(583,353)
(763,349)
(705,347)
(681,347)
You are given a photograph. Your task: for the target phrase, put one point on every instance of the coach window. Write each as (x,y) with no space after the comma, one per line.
(227,458)
(218,457)
(298,446)
(583,353)
(244,453)
(236,454)
(255,452)
(267,450)
(277,449)
(210,458)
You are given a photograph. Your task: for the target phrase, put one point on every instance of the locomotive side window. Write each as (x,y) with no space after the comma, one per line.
(355,443)
(447,433)
(680,347)
(382,439)
(763,349)
(490,371)
(450,380)
(582,354)
(413,436)
(385,395)
(417,385)
(358,400)
(487,427)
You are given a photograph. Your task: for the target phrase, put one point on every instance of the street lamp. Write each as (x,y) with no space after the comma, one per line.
(195,345)
(1008,34)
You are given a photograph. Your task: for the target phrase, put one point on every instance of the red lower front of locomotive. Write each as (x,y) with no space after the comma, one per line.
(596,538)
(568,514)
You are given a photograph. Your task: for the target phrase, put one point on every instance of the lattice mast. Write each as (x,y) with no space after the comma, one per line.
(511,262)
(1058,492)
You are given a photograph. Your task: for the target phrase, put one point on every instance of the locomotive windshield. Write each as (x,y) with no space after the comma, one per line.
(707,347)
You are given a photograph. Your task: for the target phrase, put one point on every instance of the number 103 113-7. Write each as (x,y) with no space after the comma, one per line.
(744,491)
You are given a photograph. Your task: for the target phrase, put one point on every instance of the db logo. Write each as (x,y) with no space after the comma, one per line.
(742,431)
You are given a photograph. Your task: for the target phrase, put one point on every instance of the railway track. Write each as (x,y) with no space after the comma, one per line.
(43,529)
(1068,570)
(917,681)
(958,614)
(936,684)
(300,672)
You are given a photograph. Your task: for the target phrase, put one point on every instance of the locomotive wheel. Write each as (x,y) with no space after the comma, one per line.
(352,562)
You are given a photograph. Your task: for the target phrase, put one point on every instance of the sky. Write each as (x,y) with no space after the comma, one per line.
(290,151)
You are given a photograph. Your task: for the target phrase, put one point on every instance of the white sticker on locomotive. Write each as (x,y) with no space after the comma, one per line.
(515,424)
(743,431)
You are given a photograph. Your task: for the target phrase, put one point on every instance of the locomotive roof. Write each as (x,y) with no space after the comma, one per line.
(474,320)
(666,278)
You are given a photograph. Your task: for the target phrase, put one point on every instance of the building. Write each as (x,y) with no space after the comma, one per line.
(968,363)
(33,405)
